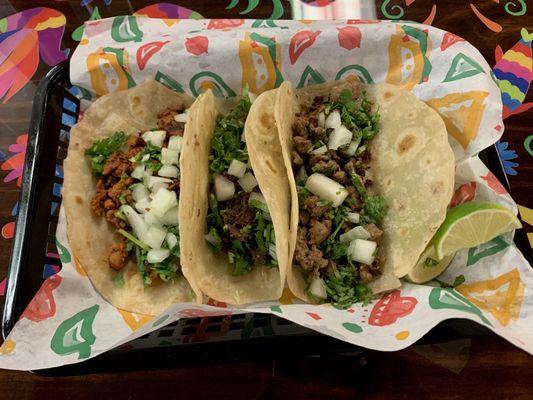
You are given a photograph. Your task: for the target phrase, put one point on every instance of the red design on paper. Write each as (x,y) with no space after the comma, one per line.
(43,305)
(449,39)
(494,183)
(224,23)
(349,37)
(146,51)
(390,308)
(315,316)
(299,42)
(197,45)
(463,194)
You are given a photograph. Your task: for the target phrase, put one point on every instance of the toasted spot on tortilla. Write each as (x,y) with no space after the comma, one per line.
(78,200)
(406,144)
(136,100)
(387,95)
(271,166)
(437,187)
(267,119)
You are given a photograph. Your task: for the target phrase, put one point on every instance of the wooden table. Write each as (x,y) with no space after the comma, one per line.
(485,367)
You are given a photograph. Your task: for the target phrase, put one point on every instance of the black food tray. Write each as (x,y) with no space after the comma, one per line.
(187,341)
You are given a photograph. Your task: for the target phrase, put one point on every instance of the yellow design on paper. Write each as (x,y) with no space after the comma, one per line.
(461,113)
(8,347)
(260,62)
(134,320)
(406,60)
(106,73)
(501,296)
(527,216)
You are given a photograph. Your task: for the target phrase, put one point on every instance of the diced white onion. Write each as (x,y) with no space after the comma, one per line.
(139,192)
(171,217)
(142,205)
(327,189)
(354,217)
(136,222)
(157,186)
(151,219)
(211,239)
(321,150)
(321,119)
(237,168)
(339,137)
(154,236)
(301,174)
(333,120)
(352,148)
(224,188)
(169,171)
(171,240)
(155,138)
(157,255)
(153,180)
(362,251)
(138,172)
(356,233)
(163,201)
(174,143)
(248,182)
(169,157)
(181,117)
(317,288)
(145,158)
(272,251)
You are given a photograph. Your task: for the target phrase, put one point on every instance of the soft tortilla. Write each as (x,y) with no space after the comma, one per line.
(90,237)
(412,167)
(210,270)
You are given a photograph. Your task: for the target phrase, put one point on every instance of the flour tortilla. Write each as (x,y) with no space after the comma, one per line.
(90,236)
(412,167)
(211,270)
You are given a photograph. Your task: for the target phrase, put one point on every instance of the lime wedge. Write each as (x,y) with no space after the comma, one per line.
(428,267)
(471,224)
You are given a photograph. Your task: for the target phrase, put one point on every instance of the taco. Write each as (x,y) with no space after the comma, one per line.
(235,209)
(121,193)
(371,175)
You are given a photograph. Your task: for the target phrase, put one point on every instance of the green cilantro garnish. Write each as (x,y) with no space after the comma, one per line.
(344,290)
(100,151)
(430,262)
(118,280)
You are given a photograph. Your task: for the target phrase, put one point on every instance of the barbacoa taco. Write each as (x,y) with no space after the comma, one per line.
(371,175)
(235,208)
(121,197)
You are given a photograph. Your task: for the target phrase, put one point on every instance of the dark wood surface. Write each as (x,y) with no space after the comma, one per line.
(485,367)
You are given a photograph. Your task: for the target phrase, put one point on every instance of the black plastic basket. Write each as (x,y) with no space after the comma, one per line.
(192,340)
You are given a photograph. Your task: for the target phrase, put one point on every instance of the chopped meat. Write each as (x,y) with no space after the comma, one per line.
(299,126)
(109,204)
(258,257)
(296,159)
(331,269)
(304,217)
(375,269)
(117,164)
(97,202)
(374,231)
(317,158)
(117,256)
(301,144)
(364,274)
(334,155)
(354,201)
(117,189)
(167,122)
(319,231)
(237,214)
(135,141)
(352,85)
(114,220)
(341,177)
(326,167)
(229,177)
(311,205)
(175,186)
(310,259)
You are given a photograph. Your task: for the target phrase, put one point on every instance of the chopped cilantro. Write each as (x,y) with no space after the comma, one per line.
(344,290)
(373,210)
(430,262)
(100,151)
(140,256)
(118,280)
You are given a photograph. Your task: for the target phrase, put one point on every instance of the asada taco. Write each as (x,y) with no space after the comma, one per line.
(121,196)
(371,175)
(235,208)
